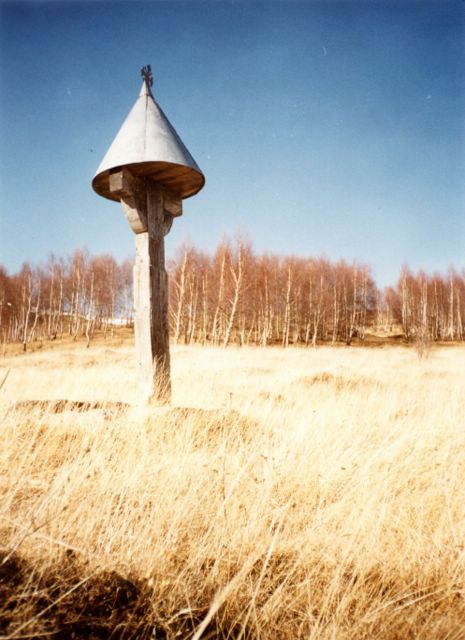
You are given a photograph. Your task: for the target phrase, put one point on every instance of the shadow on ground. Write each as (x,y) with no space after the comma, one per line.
(70,602)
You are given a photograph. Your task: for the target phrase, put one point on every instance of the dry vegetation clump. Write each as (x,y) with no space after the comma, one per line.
(285,494)
(337,381)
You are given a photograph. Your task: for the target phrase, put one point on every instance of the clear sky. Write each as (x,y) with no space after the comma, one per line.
(321,127)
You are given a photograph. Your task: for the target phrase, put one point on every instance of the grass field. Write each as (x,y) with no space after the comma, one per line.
(299,493)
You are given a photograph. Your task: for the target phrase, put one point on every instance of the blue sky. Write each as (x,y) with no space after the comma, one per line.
(330,128)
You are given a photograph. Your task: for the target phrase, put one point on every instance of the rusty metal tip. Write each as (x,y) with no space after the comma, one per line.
(146,73)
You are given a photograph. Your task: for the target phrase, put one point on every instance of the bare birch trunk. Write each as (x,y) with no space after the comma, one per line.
(317,315)
(76,321)
(36,316)
(267,316)
(89,312)
(450,331)
(50,304)
(353,314)
(335,313)
(27,296)
(204,309)
(237,277)
(216,336)
(405,308)
(180,288)
(287,310)
(459,316)
(192,312)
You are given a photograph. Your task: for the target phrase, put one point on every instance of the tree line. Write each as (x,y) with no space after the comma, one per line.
(232,295)
(74,296)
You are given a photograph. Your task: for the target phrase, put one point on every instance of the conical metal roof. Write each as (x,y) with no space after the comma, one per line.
(149,146)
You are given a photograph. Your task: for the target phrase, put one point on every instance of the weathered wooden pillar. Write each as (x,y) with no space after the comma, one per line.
(149,171)
(151,304)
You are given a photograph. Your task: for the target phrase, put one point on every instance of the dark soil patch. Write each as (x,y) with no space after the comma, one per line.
(63,602)
(69,601)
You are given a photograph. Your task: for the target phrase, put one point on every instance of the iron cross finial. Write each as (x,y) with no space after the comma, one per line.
(146,73)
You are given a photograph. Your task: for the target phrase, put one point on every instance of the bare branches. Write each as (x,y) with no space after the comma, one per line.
(234,296)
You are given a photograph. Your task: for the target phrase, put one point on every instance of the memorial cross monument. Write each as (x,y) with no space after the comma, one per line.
(149,170)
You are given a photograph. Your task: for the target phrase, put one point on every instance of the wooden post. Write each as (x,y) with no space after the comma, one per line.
(150,211)
(145,165)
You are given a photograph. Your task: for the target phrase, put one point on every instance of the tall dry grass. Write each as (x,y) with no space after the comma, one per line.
(286,494)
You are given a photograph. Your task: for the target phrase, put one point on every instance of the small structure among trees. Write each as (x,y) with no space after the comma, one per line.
(149,170)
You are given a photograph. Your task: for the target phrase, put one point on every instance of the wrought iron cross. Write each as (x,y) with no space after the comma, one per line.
(146,73)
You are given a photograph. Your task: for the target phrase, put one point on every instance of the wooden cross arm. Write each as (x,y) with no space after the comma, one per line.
(124,184)
(172,205)
(132,192)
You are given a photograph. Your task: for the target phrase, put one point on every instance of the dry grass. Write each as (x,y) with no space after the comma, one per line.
(287,494)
